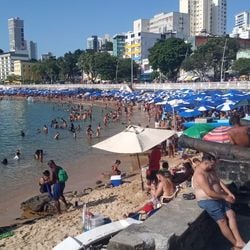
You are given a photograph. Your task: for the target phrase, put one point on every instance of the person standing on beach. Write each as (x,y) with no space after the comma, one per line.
(214,197)
(154,165)
(58,186)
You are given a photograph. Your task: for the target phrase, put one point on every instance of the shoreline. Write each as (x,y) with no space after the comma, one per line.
(81,176)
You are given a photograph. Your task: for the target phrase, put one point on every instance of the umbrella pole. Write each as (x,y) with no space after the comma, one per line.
(139,164)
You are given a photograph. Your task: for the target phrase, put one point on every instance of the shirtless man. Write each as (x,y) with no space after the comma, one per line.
(165,188)
(213,196)
(239,135)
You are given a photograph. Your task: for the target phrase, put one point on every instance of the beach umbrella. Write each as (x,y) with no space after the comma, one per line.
(243,102)
(189,113)
(219,134)
(198,130)
(205,108)
(135,140)
(225,106)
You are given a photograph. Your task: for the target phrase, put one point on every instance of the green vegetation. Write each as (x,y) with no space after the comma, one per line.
(208,57)
(242,66)
(167,56)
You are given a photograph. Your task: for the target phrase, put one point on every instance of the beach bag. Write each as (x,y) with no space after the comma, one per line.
(62,175)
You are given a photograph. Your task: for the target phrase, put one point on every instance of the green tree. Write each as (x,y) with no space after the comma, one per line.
(242,66)
(1,51)
(106,66)
(107,46)
(87,63)
(168,55)
(68,66)
(123,68)
(209,56)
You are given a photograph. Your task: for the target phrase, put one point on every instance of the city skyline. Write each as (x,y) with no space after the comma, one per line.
(62,26)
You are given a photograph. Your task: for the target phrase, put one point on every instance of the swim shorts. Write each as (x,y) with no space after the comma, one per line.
(215,208)
(58,190)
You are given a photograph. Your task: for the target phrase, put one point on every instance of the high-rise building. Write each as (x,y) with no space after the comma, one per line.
(119,45)
(32,50)
(206,16)
(16,34)
(242,25)
(93,43)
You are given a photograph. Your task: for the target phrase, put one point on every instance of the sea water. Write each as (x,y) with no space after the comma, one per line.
(17,115)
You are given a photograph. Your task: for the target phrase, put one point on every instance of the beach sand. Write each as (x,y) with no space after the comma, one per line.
(110,202)
(47,232)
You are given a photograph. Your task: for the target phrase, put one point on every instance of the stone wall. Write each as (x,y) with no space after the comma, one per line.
(181,224)
(237,172)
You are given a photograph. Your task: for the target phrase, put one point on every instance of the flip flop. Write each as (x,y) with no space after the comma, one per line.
(189,196)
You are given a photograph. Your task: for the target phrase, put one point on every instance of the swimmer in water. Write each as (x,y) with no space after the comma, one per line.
(18,155)
(56,137)
(5,161)
(22,133)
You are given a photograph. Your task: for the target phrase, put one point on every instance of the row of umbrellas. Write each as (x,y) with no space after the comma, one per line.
(187,103)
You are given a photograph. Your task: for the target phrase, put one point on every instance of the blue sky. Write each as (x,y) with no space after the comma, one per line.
(64,25)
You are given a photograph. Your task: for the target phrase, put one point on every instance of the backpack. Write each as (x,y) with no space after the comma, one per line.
(62,175)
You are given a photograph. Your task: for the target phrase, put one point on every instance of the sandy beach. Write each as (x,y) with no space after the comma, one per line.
(84,173)
(110,202)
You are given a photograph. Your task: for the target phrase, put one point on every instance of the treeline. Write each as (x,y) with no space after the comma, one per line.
(94,65)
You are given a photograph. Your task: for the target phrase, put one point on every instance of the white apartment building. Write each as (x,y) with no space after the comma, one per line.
(242,25)
(165,23)
(137,44)
(7,63)
(206,16)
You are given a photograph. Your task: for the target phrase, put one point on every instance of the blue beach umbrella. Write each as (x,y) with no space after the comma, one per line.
(189,113)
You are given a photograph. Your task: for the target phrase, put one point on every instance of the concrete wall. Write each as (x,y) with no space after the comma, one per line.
(240,85)
(179,225)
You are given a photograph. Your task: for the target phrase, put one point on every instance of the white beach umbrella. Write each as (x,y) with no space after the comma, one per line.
(134,140)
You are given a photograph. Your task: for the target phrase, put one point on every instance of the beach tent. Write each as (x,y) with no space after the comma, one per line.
(134,140)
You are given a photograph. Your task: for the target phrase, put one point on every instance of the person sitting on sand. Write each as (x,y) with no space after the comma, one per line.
(165,188)
(183,172)
(115,170)
(44,182)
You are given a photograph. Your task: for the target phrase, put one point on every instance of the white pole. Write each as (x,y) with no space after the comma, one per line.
(222,62)
(132,71)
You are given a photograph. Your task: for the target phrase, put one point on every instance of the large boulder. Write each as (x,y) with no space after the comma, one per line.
(37,203)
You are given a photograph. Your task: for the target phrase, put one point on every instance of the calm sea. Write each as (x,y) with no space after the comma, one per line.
(17,115)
